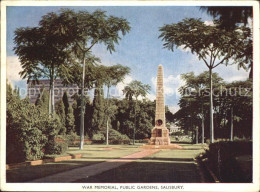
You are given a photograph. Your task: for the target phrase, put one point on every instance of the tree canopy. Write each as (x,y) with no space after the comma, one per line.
(230,16)
(213,45)
(136,89)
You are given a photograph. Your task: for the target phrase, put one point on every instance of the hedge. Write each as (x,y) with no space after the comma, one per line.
(222,160)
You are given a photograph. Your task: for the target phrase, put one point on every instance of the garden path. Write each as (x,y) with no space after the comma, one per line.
(91,170)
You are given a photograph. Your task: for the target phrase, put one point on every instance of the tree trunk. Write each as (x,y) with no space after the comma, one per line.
(135,122)
(211,108)
(197,135)
(107,114)
(202,130)
(231,125)
(51,94)
(52,101)
(82,112)
(202,126)
(107,133)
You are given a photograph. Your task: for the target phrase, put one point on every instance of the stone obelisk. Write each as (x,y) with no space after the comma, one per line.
(160,134)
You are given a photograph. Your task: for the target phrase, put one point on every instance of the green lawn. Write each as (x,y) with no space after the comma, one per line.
(170,166)
(91,154)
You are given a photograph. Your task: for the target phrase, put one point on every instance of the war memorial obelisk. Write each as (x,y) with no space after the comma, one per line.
(160,134)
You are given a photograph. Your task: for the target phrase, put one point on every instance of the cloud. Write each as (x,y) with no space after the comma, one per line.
(183,49)
(209,23)
(171,84)
(231,73)
(13,67)
(174,108)
(151,96)
(250,23)
(118,91)
(120,86)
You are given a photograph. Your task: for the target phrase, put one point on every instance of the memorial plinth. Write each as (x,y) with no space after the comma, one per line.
(160,134)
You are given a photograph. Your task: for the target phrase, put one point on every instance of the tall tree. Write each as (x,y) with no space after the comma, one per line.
(113,75)
(193,101)
(230,17)
(213,45)
(86,30)
(43,101)
(98,109)
(60,111)
(42,51)
(65,101)
(135,89)
(70,120)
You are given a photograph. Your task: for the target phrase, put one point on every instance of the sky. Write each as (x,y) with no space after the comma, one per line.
(140,49)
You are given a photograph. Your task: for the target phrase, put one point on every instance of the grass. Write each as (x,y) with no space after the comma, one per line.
(166,166)
(171,166)
(91,154)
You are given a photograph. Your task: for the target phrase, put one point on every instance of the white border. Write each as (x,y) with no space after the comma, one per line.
(187,187)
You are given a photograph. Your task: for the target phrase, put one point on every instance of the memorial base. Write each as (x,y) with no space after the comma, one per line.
(170,146)
(160,136)
(160,140)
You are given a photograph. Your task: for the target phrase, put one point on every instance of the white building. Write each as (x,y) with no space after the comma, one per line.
(173,128)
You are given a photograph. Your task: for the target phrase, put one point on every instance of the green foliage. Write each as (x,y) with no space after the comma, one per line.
(65,100)
(70,120)
(98,137)
(57,148)
(76,113)
(42,101)
(135,89)
(114,74)
(30,130)
(230,16)
(25,138)
(207,41)
(124,120)
(71,138)
(116,137)
(88,114)
(222,159)
(98,118)
(194,105)
(60,112)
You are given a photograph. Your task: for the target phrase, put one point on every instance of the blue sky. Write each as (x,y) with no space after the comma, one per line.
(140,49)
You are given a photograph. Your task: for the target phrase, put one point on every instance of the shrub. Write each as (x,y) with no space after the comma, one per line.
(99,137)
(222,159)
(72,139)
(146,140)
(25,131)
(57,148)
(116,137)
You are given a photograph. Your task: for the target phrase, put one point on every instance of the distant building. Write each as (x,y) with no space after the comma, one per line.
(173,128)
(34,90)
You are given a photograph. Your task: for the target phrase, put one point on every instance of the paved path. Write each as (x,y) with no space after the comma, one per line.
(91,170)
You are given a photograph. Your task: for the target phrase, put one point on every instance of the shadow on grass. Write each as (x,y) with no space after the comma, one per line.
(170,159)
(28,173)
(181,142)
(147,172)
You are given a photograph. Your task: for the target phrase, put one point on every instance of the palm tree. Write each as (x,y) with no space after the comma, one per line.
(135,89)
(113,75)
